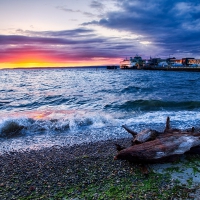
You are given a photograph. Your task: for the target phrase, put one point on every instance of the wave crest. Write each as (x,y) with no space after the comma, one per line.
(155,105)
(15,127)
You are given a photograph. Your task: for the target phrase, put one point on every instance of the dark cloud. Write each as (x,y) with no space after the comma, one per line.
(172,27)
(169,24)
(61,45)
(72,33)
(60,54)
(97,5)
(18,39)
(87,14)
(79,32)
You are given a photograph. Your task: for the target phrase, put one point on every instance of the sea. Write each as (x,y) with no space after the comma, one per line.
(63,107)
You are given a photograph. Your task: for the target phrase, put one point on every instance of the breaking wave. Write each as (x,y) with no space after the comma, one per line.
(23,126)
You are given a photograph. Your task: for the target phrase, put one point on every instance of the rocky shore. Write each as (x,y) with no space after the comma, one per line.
(86,171)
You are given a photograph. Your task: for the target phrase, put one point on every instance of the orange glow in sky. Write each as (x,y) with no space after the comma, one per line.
(28,61)
(31,56)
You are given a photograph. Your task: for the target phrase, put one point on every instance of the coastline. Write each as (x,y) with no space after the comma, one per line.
(88,171)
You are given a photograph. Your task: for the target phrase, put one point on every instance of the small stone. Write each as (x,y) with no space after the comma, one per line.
(191,195)
(32,188)
(96,195)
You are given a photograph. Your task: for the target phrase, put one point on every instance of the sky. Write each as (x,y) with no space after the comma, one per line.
(61,33)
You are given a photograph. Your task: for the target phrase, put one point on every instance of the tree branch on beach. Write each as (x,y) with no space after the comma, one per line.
(151,146)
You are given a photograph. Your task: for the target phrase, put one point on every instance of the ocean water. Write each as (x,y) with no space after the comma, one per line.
(46,107)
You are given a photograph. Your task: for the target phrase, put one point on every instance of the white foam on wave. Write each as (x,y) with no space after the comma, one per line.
(58,121)
(67,128)
(179,119)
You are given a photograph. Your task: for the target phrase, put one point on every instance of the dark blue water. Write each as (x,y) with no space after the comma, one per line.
(41,108)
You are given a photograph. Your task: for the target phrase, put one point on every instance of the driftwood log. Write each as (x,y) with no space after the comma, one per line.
(150,146)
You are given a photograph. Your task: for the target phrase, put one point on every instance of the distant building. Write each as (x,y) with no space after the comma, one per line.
(185,61)
(154,61)
(170,60)
(194,62)
(176,61)
(172,63)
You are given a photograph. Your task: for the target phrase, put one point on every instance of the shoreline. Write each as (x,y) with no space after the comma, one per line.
(86,171)
(74,151)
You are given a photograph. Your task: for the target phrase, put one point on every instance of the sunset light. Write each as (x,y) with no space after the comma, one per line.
(94,33)
(99,99)
(37,63)
(36,56)
(28,57)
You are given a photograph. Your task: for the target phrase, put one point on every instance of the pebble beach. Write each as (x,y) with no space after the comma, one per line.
(86,171)
(46,171)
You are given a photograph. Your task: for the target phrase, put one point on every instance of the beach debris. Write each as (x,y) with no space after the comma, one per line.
(144,136)
(133,133)
(151,146)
